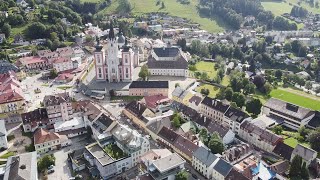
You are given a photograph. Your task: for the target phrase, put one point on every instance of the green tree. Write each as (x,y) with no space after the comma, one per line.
(304,171)
(204,76)
(249,88)
(203,134)
(228,93)
(313,138)
(278,130)
(53,73)
(278,74)
(144,72)
(45,162)
(182,175)
(176,122)
(295,168)
(215,144)
(308,85)
(6,29)
(239,99)
(267,88)
(35,31)
(254,106)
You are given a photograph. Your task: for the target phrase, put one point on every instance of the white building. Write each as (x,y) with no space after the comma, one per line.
(203,161)
(45,141)
(71,128)
(162,164)
(233,118)
(168,61)
(116,62)
(3,135)
(64,63)
(292,115)
(59,107)
(131,142)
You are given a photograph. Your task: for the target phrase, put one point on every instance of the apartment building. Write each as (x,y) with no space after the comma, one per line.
(148,88)
(213,108)
(59,107)
(203,161)
(45,141)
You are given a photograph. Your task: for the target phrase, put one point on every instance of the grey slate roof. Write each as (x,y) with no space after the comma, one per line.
(288,109)
(236,114)
(223,167)
(304,152)
(166,52)
(5,67)
(149,84)
(215,104)
(179,63)
(204,156)
(15,170)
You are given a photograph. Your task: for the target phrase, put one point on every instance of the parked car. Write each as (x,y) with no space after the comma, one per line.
(50,171)
(51,167)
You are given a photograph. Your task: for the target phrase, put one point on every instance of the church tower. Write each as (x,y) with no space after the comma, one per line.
(112,59)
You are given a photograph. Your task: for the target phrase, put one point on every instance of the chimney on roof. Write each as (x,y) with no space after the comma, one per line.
(139,106)
(204,119)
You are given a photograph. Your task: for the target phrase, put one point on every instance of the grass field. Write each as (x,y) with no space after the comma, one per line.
(6,155)
(174,8)
(295,99)
(293,142)
(207,67)
(213,89)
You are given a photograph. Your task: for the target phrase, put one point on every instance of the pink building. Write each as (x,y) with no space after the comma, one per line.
(116,62)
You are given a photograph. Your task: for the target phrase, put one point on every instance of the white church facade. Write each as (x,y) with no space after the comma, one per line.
(115,62)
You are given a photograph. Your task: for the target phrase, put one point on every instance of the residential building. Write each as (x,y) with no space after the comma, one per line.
(167,137)
(154,127)
(22,167)
(4,14)
(64,63)
(259,137)
(168,61)
(33,63)
(116,62)
(45,141)
(184,147)
(58,106)
(185,111)
(77,159)
(283,150)
(107,164)
(101,127)
(245,166)
(203,161)
(237,152)
(131,142)
(2,38)
(35,119)
(137,112)
(7,66)
(157,103)
(291,115)
(162,164)
(11,96)
(221,169)
(22,3)
(3,135)
(307,154)
(148,88)
(194,102)
(226,134)
(71,128)
(233,118)
(213,108)
(181,95)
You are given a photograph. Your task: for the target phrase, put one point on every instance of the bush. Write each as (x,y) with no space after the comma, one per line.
(29,148)
(10,137)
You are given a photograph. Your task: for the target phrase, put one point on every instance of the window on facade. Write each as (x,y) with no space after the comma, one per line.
(113,71)
(99,70)
(126,60)
(127,70)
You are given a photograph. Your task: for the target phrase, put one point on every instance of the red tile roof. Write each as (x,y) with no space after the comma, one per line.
(32,60)
(42,136)
(61,60)
(153,101)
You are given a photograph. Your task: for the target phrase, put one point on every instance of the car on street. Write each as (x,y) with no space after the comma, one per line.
(194,176)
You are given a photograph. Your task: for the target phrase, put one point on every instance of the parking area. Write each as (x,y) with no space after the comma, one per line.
(62,169)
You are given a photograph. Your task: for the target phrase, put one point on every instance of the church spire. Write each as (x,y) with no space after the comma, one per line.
(111,31)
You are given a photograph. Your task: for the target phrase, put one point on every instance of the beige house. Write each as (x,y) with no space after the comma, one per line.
(203,161)
(259,137)
(213,108)
(148,88)
(45,141)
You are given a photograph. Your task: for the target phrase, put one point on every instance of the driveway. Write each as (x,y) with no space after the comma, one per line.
(62,170)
